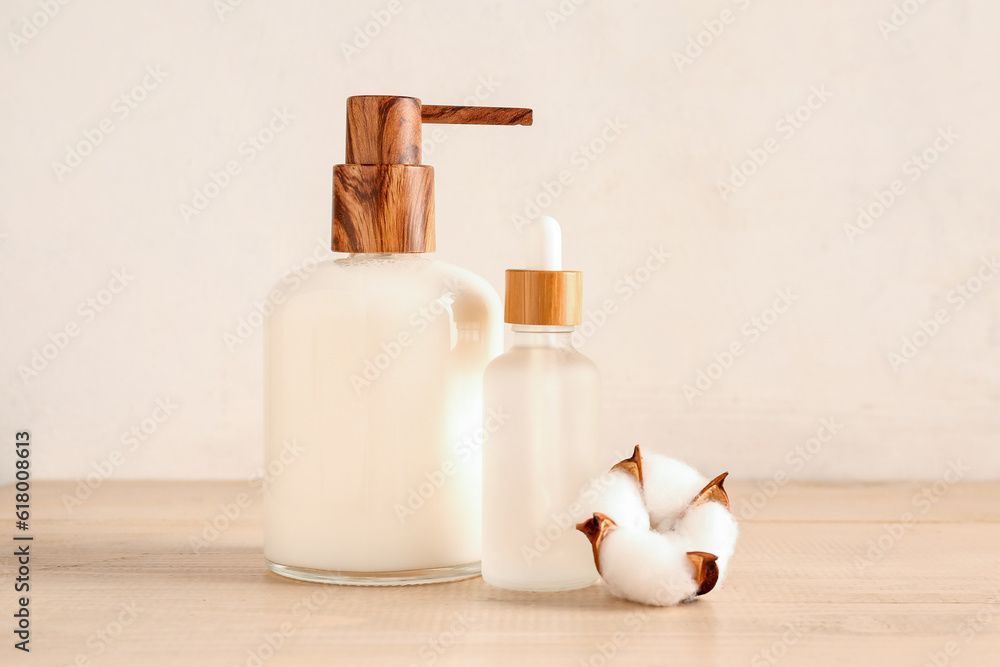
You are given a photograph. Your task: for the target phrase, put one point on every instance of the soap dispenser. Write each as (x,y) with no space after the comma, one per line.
(537,465)
(373,380)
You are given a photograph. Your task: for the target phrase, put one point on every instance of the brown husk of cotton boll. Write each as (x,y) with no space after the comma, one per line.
(704,565)
(713,491)
(632,465)
(595,529)
(705,570)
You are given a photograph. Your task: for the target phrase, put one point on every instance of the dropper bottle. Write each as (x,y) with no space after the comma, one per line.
(536,463)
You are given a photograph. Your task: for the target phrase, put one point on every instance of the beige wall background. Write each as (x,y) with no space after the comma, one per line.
(769,200)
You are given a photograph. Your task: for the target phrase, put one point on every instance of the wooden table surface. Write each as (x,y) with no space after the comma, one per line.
(880,574)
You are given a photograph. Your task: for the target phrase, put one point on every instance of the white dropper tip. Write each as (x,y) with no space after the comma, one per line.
(544,245)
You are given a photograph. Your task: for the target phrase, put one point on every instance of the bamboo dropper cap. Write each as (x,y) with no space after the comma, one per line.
(544,294)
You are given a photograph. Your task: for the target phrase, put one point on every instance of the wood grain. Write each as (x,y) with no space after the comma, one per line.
(383,199)
(383,129)
(383,208)
(545,298)
(433,113)
(795,594)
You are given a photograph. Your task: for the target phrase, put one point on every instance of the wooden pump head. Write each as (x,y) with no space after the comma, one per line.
(383,197)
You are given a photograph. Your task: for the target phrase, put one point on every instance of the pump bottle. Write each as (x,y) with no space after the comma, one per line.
(536,465)
(373,377)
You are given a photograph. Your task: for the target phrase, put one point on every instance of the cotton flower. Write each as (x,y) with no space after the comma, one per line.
(661,533)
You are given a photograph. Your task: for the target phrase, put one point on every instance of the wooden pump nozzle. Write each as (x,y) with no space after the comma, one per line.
(383,197)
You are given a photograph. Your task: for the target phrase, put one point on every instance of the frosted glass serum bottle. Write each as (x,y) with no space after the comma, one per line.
(537,462)
(373,375)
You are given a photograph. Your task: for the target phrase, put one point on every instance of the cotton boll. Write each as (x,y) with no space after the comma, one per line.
(647,567)
(693,536)
(709,527)
(668,487)
(620,497)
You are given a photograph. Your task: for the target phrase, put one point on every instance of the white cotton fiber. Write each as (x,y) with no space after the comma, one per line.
(709,527)
(668,488)
(644,556)
(620,498)
(647,567)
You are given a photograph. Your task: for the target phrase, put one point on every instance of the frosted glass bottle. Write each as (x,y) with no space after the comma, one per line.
(536,464)
(374,369)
